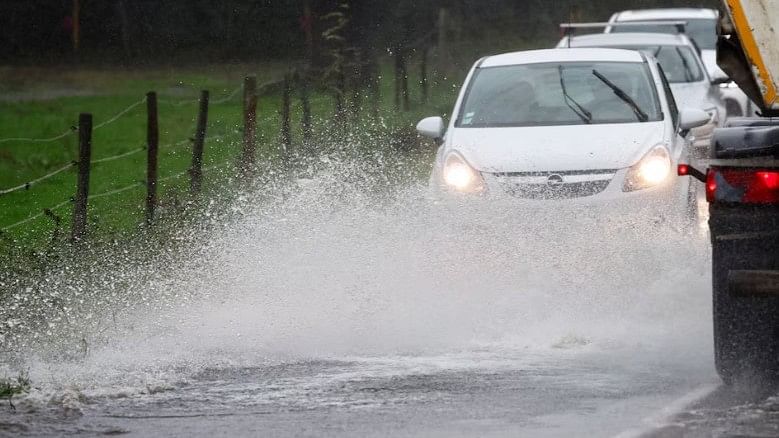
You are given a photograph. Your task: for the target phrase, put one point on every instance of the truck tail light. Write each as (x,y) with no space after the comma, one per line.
(742,185)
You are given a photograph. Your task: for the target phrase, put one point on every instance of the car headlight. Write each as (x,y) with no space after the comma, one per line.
(460,176)
(730,84)
(652,170)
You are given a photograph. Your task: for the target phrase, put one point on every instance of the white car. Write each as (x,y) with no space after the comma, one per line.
(596,124)
(702,28)
(682,66)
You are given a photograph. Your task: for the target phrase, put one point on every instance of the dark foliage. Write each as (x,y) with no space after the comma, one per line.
(34,31)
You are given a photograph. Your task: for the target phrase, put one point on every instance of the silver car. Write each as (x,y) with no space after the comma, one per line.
(701,27)
(690,82)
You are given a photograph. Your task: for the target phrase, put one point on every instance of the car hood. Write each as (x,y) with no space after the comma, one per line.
(556,148)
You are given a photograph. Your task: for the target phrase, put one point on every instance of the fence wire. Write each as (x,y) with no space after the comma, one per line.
(74,129)
(119,114)
(219,101)
(120,156)
(36,216)
(135,185)
(70,130)
(117,191)
(229,97)
(29,184)
(138,184)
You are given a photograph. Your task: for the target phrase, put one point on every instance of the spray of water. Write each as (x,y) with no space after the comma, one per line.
(353,262)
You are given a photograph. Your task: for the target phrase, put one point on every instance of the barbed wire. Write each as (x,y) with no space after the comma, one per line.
(229,97)
(70,130)
(137,184)
(222,100)
(119,114)
(137,150)
(117,157)
(36,216)
(119,190)
(29,184)
(174,176)
(73,129)
(217,166)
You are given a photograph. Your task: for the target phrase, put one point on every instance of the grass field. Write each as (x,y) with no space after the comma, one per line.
(45,103)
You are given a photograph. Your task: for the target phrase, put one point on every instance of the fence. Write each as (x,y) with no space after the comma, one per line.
(84,162)
(295,84)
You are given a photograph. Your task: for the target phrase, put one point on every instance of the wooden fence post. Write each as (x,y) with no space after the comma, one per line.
(398,85)
(404,83)
(249,124)
(196,171)
(286,114)
(360,81)
(82,186)
(423,82)
(306,104)
(375,74)
(340,95)
(152,144)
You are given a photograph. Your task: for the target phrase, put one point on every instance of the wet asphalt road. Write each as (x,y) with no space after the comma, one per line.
(369,325)
(565,391)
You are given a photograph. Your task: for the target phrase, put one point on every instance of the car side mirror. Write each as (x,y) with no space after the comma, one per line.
(690,118)
(431,127)
(719,77)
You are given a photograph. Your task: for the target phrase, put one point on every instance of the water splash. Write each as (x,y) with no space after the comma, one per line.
(356,262)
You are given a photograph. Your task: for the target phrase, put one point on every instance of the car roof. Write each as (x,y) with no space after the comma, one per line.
(665,14)
(627,39)
(562,55)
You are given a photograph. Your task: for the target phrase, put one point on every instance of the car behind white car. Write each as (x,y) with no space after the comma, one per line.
(682,66)
(701,27)
(594,124)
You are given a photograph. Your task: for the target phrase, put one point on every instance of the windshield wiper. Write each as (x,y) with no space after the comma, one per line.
(619,92)
(579,110)
(687,71)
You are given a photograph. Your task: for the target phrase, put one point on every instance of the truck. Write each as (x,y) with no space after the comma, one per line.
(741,182)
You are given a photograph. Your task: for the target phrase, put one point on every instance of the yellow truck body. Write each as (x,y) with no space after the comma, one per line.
(756,25)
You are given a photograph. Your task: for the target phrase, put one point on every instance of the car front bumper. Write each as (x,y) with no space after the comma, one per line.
(659,201)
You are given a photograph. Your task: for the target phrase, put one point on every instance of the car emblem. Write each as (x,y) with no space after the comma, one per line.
(554,181)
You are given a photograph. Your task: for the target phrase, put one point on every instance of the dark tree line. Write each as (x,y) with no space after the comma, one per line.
(219,30)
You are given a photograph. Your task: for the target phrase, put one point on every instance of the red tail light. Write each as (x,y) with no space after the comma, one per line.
(742,185)
(711,185)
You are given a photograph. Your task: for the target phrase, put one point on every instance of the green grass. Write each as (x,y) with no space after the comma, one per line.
(11,387)
(45,103)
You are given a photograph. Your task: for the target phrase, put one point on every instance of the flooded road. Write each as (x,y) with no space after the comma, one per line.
(468,393)
(324,313)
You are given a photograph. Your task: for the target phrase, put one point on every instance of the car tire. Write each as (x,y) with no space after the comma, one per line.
(746,328)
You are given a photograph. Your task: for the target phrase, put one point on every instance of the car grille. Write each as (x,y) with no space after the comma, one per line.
(555,185)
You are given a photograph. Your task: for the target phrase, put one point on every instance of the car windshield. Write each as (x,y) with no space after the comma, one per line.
(703,31)
(572,93)
(679,62)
